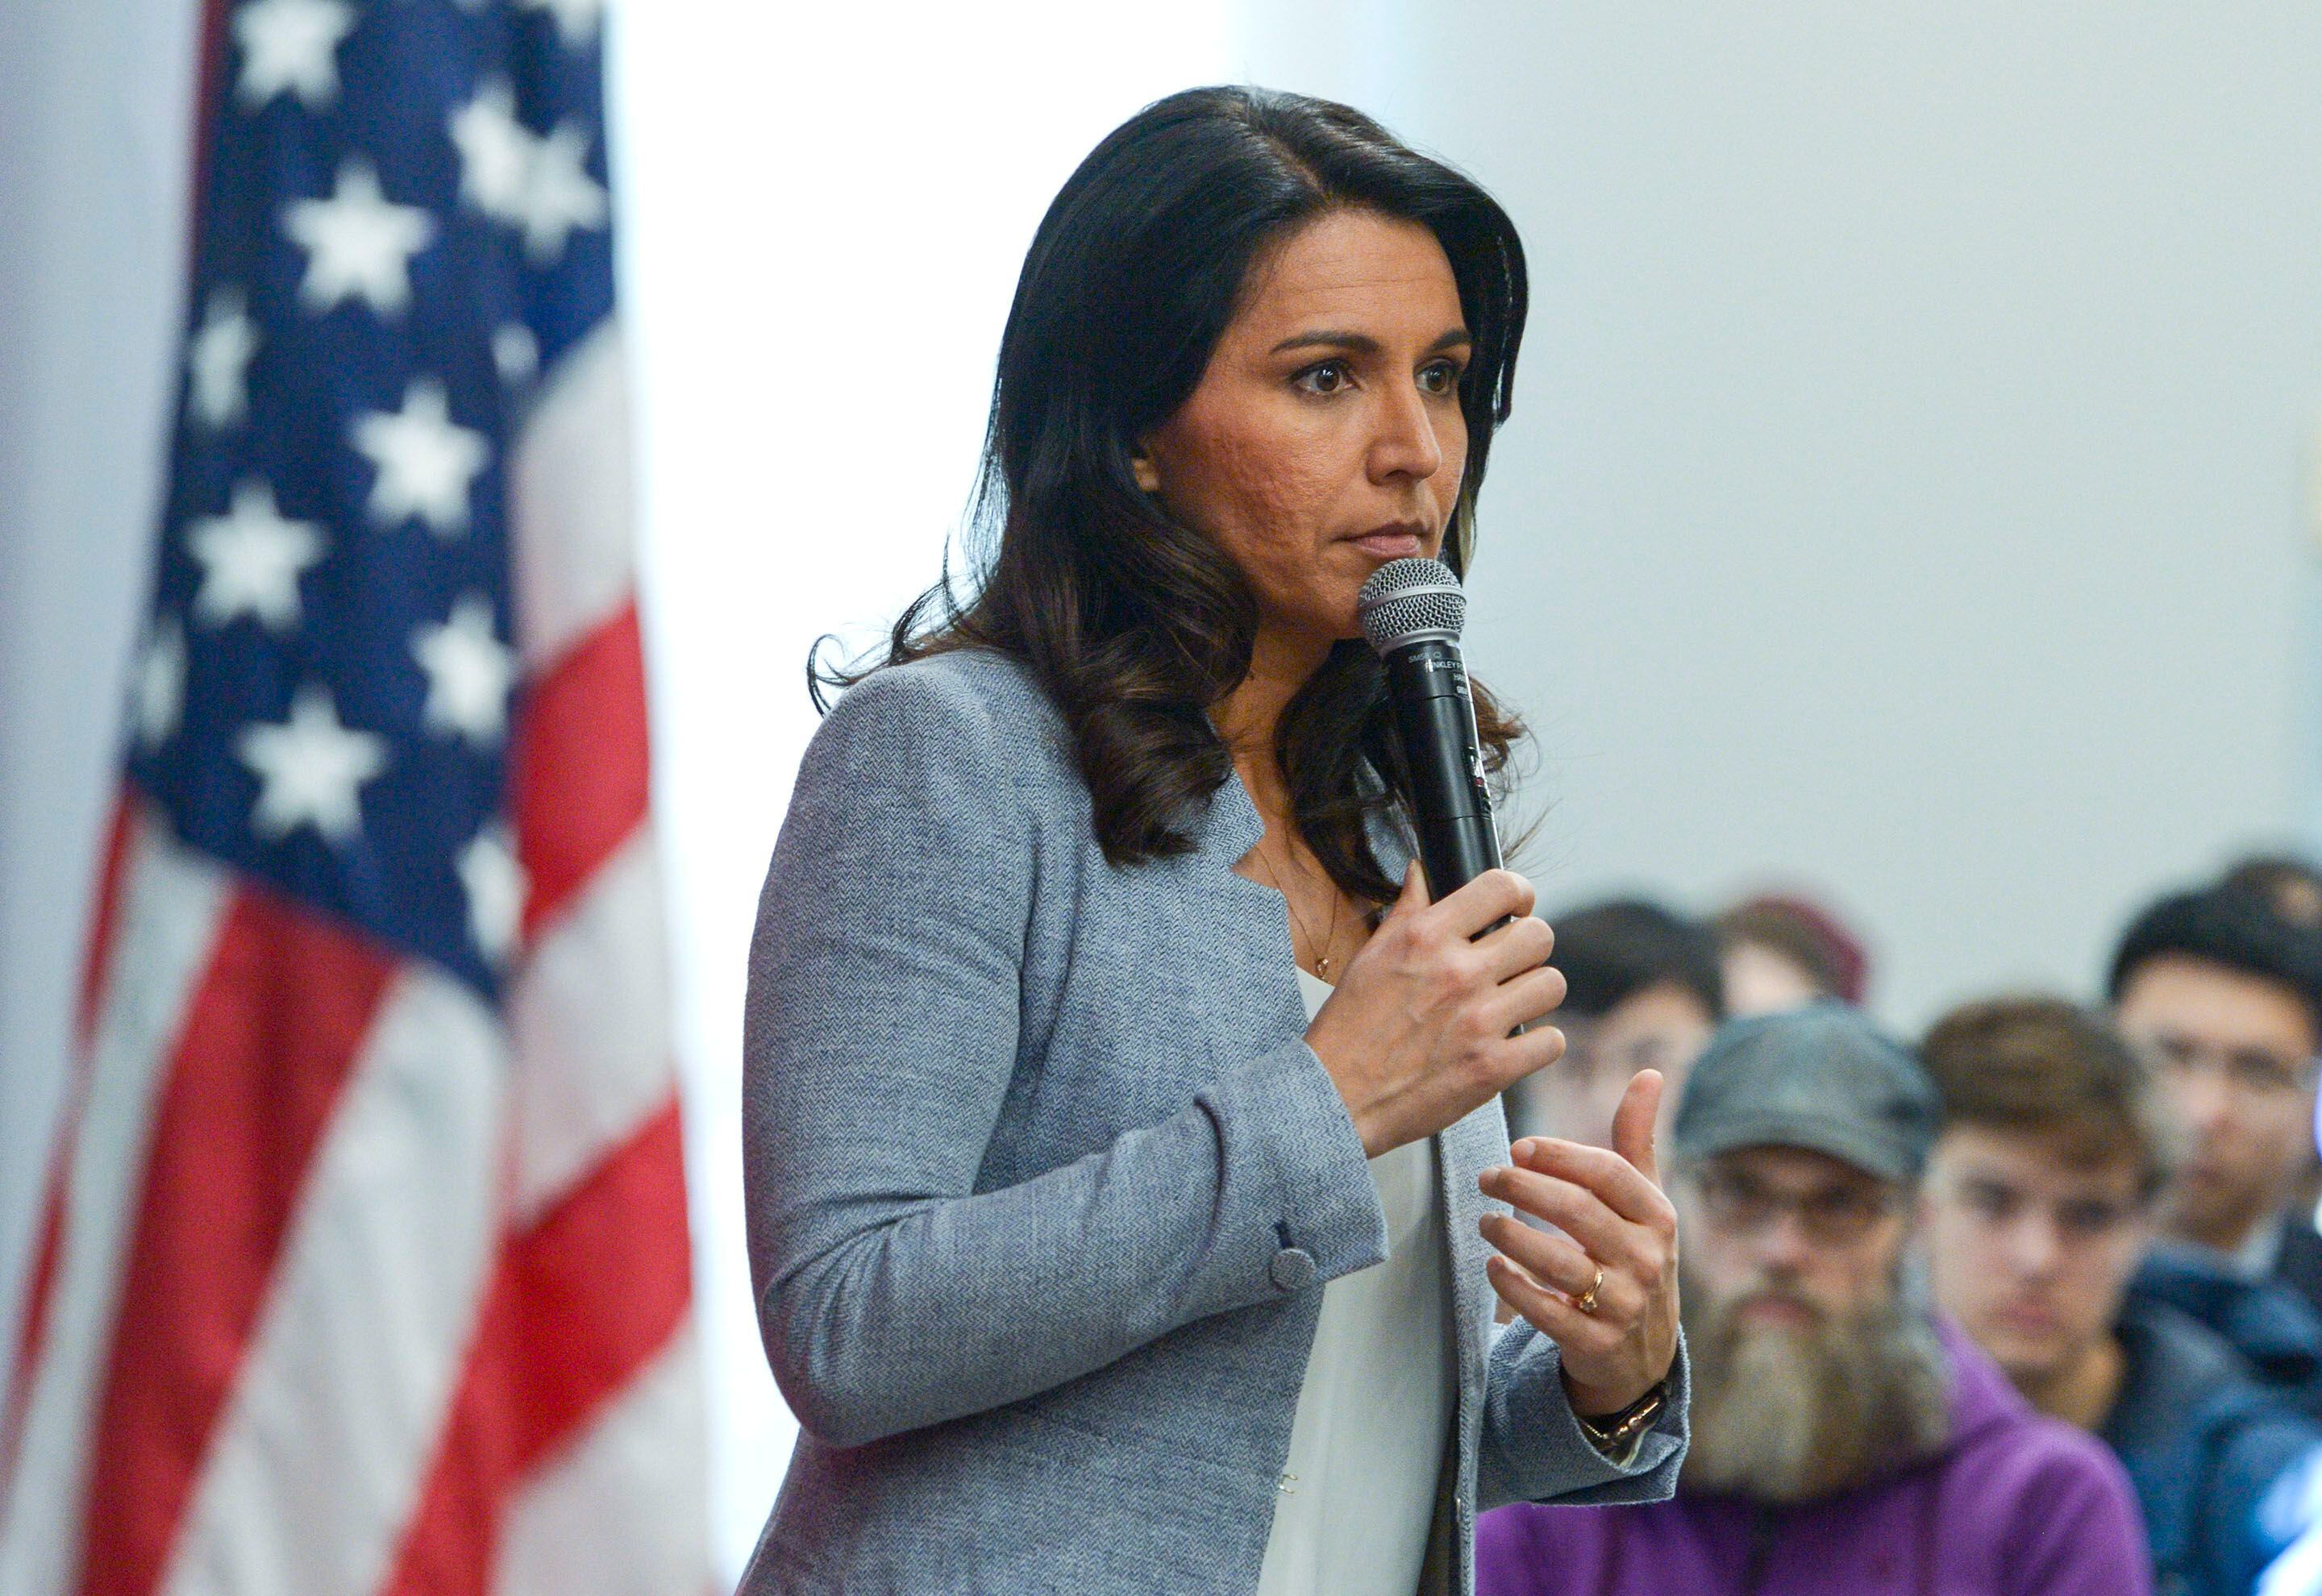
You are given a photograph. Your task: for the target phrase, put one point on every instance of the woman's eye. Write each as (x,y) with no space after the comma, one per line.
(1327,378)
(1442,377)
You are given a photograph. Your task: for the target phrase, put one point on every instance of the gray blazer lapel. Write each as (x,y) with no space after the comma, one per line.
(1465,1150)
(1247,927)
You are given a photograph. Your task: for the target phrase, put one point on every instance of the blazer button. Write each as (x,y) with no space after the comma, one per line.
(1292,1269)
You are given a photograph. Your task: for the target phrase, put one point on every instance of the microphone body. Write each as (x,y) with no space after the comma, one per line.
(1451,808)
(1411,612)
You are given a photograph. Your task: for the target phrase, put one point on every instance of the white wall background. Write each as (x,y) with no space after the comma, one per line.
(95,104)
(1905,494)
(1909,490)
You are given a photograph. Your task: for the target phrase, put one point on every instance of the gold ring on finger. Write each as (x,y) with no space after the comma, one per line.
(1586,1301)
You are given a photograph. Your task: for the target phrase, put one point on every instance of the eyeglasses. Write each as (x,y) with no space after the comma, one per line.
(2257,1072)
(1830,1215)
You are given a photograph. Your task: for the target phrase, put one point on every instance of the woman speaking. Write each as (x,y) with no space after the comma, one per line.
(1128,1187)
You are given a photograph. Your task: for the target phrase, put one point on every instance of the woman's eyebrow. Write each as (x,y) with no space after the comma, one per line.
(1363,343)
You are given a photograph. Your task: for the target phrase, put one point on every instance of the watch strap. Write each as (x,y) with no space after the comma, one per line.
(1617,1434)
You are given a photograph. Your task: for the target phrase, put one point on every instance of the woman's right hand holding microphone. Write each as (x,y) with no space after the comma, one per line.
(1418,1035)
(1420,1031)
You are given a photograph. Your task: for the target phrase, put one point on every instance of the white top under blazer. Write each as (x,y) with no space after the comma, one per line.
(1358,1490)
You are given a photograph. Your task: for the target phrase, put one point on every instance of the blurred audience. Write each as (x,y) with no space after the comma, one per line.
(1843,1438)
(2036,1210)
(1784,952)
(1643,993)
(2224,993)
(2294,887)
(2292,884)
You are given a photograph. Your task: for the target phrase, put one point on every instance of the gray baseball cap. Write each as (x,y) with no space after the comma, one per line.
(1821,1078)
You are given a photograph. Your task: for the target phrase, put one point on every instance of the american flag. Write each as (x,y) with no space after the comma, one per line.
(364,1267)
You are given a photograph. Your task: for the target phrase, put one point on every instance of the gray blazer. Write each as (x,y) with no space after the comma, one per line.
(1045,1183)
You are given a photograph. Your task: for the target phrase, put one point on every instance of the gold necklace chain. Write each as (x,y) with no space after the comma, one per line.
(1321,949)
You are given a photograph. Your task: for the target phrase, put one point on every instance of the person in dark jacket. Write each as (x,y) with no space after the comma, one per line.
(2222,990)
(2037,1207)
(1845,1440)
(2273,1328)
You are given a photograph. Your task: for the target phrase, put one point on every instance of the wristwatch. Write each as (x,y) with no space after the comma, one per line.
(1617,1435)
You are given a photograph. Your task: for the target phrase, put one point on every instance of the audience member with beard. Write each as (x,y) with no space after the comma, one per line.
(1843,1439)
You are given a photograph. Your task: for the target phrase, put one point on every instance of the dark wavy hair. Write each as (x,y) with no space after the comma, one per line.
(1136,625)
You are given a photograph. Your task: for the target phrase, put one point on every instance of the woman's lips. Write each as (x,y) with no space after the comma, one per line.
(1388,545)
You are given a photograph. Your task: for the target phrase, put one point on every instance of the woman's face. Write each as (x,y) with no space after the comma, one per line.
(1325,437)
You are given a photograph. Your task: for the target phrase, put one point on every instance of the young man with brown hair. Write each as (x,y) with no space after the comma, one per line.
(2039,1203)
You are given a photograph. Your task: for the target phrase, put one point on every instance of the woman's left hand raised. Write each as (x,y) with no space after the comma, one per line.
(1617,1331)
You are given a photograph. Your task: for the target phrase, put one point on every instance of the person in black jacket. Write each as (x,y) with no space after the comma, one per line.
(2038,1206)
(2277,1333)
(2221,990)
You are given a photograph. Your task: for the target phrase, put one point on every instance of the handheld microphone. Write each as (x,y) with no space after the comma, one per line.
(1411,611)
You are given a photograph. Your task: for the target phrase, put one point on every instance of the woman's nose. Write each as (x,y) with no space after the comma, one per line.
(1405,445)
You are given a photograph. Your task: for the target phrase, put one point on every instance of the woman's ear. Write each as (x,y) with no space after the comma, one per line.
(1148,474)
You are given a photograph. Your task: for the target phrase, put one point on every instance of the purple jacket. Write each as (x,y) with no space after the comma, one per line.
(2015,1505)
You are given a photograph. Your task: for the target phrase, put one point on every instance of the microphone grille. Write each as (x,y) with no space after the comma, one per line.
(1409,600)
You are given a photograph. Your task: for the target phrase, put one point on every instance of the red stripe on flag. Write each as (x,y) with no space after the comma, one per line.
(208,83)
(48,1244)
(106,914)
(270,1036)
(581,764)
(32,1323)
(581,1303)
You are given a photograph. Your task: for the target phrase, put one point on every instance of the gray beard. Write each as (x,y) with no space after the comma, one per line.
(1783,1414)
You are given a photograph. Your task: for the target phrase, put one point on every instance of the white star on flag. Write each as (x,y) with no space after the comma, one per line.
(496,886)
(469,669)
(425,462)
(559,193)
(360,243)
(311,768)
(158,695)
(576,20)
(218,358)
(252,559)
(291,44)
(517,353)
(496,151)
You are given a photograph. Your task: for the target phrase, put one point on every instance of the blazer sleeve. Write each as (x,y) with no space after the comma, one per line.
(880,1040)
(1534,1450)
